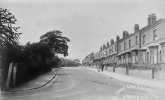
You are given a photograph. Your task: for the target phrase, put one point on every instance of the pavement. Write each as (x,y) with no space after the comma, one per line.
(131,79)
(82,84)
(39,82)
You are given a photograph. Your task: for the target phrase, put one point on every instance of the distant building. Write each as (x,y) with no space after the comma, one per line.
(145,46)
(88,60)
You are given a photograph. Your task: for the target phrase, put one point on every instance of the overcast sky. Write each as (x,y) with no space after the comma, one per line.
(88,23)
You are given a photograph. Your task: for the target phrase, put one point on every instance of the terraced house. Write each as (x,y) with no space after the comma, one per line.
(143,47)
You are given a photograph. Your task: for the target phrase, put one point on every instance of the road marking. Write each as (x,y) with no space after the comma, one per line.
(70,94)
(70,87)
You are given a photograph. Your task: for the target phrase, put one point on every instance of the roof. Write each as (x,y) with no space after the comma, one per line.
(149,27)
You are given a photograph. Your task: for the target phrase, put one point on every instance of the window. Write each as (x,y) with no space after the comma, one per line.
(112,49)
(154,34)
(147,58)
(136,57)
(160,56)
(124,45)
(133,57)
(119,47)
(124,59)
(144,39)
(136,40)
(106,53)
(143,57)
(115,47)
(129,43)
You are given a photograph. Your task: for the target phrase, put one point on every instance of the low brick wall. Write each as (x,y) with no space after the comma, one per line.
(145,73)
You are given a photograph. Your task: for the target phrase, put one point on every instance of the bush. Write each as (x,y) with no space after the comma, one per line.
(32,59)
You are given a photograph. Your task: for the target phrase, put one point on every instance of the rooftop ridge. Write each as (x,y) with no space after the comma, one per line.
(145,28)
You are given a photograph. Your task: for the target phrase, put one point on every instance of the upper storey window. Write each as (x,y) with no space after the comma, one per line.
(119,47)
(124,45)
(154,34)
(136,40)
(129,43)
(144,39)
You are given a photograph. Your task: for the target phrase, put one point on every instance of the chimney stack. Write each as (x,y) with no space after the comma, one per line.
(136,28)
(107,44)
(112,41)
(104,46)
(101,48)
(125,34)
(151,19)
(117,38)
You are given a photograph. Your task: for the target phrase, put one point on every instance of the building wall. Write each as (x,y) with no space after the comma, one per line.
(163,53)
(152,53)
(160,34)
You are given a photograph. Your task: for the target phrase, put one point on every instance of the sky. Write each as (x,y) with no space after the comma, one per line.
(88,23)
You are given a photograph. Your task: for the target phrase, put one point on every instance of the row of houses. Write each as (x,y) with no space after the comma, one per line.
(145,46)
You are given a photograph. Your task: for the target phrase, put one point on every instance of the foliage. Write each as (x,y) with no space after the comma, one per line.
(69,62)
(9,48)
(31,58)
(56,42)
(8,32)
(38,55)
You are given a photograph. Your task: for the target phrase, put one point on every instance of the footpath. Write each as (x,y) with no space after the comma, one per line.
(41,81)
(131,79)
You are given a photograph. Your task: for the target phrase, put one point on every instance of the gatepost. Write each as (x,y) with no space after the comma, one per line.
(153,72)
(114,68)
(14,74)
(9,75)
(127,68)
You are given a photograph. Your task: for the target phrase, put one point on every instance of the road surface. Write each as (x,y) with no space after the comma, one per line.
(82,84)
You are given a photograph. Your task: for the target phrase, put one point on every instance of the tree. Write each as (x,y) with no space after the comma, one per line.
(56,42)
(37,54)
(8,32)
(69,62)
(77,62)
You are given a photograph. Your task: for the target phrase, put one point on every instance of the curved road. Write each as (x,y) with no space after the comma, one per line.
(83,84)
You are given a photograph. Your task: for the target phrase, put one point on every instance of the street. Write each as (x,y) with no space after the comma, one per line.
(82,84)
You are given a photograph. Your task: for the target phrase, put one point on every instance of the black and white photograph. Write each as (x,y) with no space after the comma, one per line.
(82,49)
